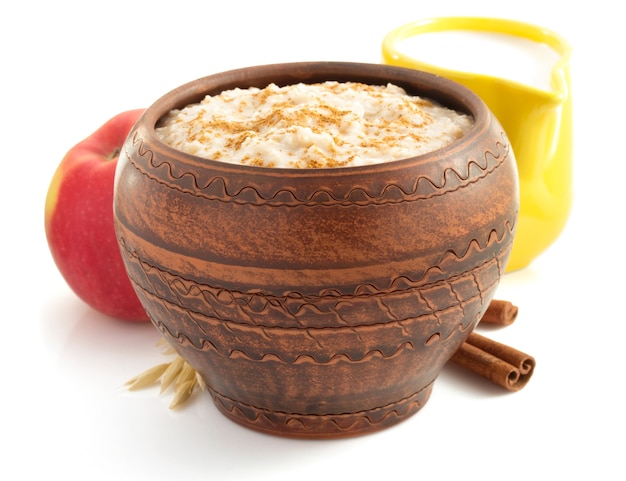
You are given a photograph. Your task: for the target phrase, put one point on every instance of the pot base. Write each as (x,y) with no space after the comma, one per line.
(318,426)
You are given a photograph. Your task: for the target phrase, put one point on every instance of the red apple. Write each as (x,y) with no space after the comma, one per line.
(79,222)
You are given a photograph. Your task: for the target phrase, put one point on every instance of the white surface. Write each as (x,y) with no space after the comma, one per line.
(64,411)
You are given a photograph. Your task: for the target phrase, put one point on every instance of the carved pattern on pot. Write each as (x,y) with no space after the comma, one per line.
(203,182)
(319,424)
(315,345)
(330,307)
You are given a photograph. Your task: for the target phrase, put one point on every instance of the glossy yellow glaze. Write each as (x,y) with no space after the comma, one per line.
(538,123)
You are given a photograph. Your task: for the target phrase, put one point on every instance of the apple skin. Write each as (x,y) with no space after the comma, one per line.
(79,222)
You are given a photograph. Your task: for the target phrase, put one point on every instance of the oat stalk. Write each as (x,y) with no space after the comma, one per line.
(177,374)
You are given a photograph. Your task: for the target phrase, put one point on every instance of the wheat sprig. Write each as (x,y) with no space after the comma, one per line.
(147,378)
(177,373)
(171,373)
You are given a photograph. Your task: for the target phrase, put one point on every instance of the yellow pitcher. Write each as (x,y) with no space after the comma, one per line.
(538,122)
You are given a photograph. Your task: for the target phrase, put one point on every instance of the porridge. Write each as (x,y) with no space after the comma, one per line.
(329,124)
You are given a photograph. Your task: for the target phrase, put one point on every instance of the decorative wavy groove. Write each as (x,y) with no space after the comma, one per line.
(334,359)
(199,184)
(334,307)
(344,310)
(321,346)
(321,424)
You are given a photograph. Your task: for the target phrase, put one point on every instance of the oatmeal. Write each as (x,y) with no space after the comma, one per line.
(329,124)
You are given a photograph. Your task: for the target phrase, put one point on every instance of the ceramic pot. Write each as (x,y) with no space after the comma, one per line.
(318,302)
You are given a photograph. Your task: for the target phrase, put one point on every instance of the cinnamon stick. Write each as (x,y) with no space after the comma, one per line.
(499,363)
(501,313)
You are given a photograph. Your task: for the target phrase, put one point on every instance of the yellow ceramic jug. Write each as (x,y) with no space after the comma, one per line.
(537,120)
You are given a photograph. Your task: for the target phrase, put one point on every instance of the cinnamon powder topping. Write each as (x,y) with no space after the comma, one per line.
(330,124)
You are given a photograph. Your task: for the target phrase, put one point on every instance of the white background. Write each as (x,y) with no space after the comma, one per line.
(69,66)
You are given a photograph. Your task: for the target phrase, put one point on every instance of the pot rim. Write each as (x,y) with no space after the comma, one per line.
(416,82)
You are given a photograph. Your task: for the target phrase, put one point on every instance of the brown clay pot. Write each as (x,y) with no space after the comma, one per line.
(318,302)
